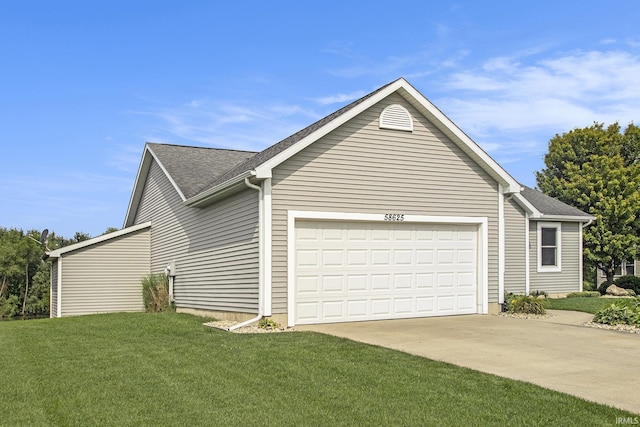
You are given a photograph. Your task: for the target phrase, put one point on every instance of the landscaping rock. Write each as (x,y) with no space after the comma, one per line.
(616,291)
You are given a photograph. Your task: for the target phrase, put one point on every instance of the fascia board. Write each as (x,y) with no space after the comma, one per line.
(217,192)
(141,178)
(58,252)
(138,187)
(464,141)
(527,206)
(264,170)
(566,218)
(169,177)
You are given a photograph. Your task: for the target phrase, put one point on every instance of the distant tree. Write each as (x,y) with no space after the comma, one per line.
(597,170)
(110,230)
(24,276)
(80,237)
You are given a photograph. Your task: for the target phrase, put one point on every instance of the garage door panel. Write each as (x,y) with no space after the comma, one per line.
(403,306)
(366,271)
(403,281)
(308,285)
(357,283)
(332,284)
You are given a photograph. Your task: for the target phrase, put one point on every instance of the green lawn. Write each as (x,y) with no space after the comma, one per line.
(588,305)
(168,369)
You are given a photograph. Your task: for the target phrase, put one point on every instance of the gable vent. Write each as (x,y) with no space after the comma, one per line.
(396,117)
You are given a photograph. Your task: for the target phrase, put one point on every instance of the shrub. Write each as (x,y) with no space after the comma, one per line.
(618,314)
(526,304)
(628,282)
(9,306)
(603,288)
(155,293)
(584,294)
(268,323)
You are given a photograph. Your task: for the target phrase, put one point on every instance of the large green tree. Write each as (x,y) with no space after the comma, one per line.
(597,170)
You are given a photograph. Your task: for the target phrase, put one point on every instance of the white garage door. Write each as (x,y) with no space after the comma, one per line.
(350,271)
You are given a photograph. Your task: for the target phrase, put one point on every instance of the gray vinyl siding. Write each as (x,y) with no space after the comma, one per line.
(215,249)
(53,308)
(360,168)
(106,277)
(515,229)
(568,279)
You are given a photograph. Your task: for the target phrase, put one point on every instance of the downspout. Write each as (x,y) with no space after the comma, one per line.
(527,249)
(260,260)
(501,244)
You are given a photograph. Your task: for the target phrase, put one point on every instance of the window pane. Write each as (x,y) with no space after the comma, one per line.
(630,268)
(548,236)
(549,256)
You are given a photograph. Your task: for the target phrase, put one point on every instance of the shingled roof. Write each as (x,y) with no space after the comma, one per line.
(550,206)
(194,168)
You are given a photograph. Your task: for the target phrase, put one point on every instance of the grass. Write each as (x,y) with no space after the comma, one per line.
(587,305)
(168,369)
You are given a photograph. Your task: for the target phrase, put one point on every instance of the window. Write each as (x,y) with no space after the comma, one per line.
(627,267)
(549,246)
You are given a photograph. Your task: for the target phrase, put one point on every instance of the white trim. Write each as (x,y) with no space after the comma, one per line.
(58,252)
(527,206)
(527,252)
(267,233)
(208,196)
(169,177)
(483,246)
(51,292)
(59,296)
(501,245)
(558,226)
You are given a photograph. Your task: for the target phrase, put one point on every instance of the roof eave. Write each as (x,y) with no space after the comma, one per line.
(141,178)
(122,232)
(220,191)
(566,218)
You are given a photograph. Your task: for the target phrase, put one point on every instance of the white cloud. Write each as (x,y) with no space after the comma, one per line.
(508,96)
(340,98)
(231,125)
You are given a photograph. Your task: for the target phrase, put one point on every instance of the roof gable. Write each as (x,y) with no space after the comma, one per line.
(190,170)
(262,164)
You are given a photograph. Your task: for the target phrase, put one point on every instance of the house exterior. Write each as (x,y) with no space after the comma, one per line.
(384,209)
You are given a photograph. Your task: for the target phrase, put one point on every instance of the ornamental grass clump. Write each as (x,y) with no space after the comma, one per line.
(155,293)
(525,304)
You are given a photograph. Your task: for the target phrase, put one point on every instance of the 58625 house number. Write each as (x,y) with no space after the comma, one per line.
(394,217)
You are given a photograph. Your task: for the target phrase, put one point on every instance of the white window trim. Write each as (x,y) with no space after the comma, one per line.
(558,266)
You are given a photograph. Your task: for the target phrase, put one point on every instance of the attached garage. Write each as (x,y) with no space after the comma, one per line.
(372,268)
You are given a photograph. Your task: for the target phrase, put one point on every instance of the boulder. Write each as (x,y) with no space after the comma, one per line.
(616,291)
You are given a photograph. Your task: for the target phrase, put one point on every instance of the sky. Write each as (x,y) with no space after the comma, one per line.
(83,85)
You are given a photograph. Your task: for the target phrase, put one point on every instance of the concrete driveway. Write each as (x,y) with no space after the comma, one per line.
(557,352)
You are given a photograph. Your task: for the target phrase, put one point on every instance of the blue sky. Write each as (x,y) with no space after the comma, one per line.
(83,85)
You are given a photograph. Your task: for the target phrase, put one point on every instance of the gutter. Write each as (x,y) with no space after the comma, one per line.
(219,191)
(260,262)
